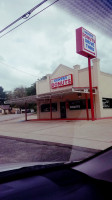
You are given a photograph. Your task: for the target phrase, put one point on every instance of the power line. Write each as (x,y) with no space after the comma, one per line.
(24,16)
(8,81)
(18,69)
(29,18)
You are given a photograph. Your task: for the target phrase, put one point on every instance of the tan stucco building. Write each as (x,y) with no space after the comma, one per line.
(65,93)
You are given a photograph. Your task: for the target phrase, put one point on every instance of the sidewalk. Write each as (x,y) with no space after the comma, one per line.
(95,135)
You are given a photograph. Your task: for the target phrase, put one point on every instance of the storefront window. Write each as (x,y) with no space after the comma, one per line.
(79,104)
(46,107)
(107,102)
(54,107)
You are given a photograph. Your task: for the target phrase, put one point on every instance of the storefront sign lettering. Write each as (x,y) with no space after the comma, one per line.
(62,81)
(85,43)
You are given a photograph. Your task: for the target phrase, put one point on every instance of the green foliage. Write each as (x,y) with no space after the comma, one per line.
(22,92)
(19,92)
(2,95)
(31,90)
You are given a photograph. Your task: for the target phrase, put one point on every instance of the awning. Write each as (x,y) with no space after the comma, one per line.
(50,95)
(85,90)
(22,100)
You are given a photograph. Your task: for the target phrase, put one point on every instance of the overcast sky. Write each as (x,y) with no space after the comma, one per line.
(41,44)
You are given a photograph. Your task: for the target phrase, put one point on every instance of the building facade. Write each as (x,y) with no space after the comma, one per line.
(65,93)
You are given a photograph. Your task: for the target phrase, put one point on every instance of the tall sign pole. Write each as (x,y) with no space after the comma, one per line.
(86,46)
(90,86)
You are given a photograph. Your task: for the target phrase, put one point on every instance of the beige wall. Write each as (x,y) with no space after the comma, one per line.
(80,79)
(77,113)
(106,92)
(97,82)
(83,78)
(106,83)
(43,86)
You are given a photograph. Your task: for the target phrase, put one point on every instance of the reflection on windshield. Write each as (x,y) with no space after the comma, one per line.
(55,99)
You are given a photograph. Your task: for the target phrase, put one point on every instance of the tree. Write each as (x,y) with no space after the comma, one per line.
(31,90)
(9,95)
(22,92)
(2,95)
(19,92)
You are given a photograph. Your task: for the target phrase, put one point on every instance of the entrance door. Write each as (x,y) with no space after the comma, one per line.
(63,110)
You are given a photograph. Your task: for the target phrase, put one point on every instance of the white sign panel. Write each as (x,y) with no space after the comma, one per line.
(89,42)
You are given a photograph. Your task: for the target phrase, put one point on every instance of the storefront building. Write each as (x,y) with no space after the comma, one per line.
(65,93)
(74,93)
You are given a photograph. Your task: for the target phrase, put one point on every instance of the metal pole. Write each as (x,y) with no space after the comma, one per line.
(38,110)
(50,109)
(90,86)
(87,107)
(25,111)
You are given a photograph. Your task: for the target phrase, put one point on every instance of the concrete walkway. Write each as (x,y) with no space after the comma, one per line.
(95,135)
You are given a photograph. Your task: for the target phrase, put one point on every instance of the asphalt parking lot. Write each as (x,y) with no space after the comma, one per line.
(20,150)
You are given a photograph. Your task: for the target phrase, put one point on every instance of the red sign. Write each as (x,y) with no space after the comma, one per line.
(85,43)
(62,81)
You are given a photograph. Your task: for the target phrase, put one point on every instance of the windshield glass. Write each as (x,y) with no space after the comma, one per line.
(55,78)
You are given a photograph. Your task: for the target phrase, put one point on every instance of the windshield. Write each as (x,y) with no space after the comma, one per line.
(55,78)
